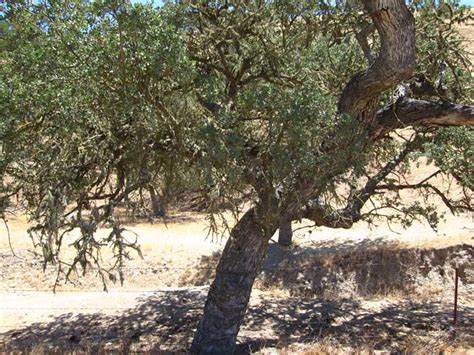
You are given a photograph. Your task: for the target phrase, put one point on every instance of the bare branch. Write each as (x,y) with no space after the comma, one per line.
(324,215)
(452,207)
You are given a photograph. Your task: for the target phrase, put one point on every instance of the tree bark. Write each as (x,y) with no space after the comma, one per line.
(395,61)
(410,112)
(157,204)
(285,233)
(229,294)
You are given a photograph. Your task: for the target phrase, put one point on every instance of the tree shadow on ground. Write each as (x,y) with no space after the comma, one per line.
(165,322)
(391,326)
(365,269)
(352,269)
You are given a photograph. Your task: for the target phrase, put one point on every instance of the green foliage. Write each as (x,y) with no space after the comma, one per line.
(452,150)
(442,49)
(99,100)
(87,93)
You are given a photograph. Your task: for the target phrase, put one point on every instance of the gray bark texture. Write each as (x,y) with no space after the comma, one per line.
(394,63)
(229,294)
(411,112)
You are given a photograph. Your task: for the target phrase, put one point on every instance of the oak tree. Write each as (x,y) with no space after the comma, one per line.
(295,105)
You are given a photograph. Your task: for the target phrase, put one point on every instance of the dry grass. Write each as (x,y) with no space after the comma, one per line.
(413,345)
(467,31)
(283,308)
(327,346)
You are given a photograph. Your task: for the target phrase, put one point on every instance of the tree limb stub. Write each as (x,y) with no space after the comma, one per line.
(395,62)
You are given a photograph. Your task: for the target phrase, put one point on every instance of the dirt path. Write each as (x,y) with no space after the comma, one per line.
(164,321)
(20,308)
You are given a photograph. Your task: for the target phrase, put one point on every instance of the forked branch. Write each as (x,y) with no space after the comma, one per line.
(323,215)
(395,63)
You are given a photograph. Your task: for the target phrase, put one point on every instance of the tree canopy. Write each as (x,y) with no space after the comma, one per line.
(293,104)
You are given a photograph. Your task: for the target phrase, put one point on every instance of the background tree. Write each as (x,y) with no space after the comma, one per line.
(93,87)
(293,105)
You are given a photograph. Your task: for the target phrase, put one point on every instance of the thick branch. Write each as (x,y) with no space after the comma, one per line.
(409,112)
(395,62)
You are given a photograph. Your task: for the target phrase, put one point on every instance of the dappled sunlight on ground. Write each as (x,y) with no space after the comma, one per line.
(167,320)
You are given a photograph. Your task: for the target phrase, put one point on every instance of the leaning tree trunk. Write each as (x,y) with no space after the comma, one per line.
(245,250)
(285,233)
(229,294)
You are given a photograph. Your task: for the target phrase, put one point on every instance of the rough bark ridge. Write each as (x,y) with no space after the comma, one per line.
(395,62)
(230,292)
